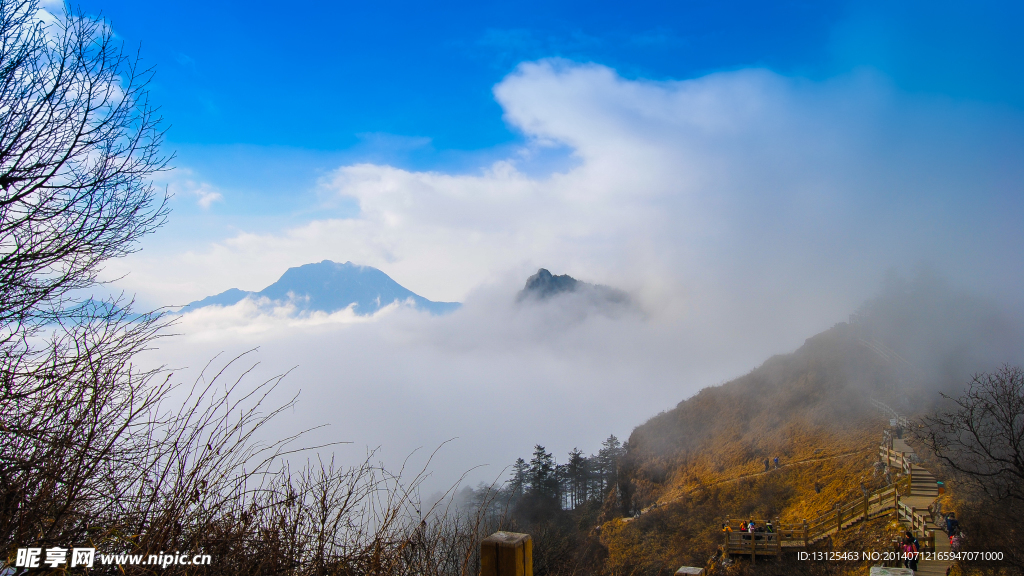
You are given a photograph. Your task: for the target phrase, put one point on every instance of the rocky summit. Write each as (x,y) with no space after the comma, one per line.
(544,285)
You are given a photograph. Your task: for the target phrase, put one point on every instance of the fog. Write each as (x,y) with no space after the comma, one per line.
(743,212)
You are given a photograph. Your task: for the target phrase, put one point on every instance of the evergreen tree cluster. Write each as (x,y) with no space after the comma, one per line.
(557,504)
(580,480)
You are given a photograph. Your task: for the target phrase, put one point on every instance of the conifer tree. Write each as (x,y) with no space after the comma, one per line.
(520,478)
(576,470)
(543,481)
(608,460)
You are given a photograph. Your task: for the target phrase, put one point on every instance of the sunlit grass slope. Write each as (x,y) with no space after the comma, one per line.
(690,468)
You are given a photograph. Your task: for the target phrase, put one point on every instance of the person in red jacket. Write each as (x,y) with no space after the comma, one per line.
(910,550)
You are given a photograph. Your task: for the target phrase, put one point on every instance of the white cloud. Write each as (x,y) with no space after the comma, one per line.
(182,182)
(744,178)
(496,375)
(254,319)
(205,193)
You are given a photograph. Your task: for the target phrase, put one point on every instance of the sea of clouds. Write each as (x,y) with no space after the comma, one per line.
(744,211)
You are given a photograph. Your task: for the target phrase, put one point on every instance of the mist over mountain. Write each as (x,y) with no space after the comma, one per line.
(914,340)
(544,285)
(329,287)
(820,409)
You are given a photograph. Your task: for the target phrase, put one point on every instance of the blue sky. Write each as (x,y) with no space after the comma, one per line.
(263,98)
(334,70)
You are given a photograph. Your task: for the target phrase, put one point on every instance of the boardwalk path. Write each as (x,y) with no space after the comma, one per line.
(923,494)
(913,508)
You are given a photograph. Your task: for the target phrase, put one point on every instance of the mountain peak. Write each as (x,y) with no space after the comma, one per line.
(544,285)
(328,286)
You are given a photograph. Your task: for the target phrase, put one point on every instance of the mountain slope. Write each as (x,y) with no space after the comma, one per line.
(688,469)
(329,287)
(792,405)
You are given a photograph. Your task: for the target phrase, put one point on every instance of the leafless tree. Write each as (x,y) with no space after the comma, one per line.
(982,436)
(979,439)
(79,143)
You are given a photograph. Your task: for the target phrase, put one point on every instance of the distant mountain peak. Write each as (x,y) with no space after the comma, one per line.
(328,286)
(544,285)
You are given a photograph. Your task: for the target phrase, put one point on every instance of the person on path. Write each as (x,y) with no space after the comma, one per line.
(776,462)
(956,541)
(910,551)
(766,465)
(952,525)
(906,552)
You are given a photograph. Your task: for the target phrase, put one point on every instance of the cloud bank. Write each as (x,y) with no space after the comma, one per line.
(744,211)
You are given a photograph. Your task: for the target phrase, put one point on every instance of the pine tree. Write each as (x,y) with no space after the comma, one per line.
(542,478)
(576,472)
(608,461)
(564,486)
(520,477)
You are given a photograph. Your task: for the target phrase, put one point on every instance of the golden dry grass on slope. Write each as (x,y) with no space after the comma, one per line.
(687,529)
(690,468)
(799,406)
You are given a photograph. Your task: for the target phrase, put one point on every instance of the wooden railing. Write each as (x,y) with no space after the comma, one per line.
(918,523)
(809,531)
(756,543)
(896,459)
(899,420)
(792,534)
(856,509)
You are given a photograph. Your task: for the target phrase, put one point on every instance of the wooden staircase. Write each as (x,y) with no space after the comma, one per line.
(914,511)
(922,482)
(912,498)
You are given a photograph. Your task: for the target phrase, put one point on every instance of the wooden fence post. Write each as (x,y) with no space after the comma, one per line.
(805,533)
(506,554)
